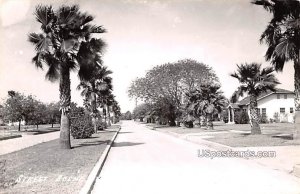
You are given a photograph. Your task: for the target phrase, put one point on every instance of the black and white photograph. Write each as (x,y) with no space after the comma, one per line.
(150,96)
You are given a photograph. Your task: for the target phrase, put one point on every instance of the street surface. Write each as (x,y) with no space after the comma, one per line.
(144,161)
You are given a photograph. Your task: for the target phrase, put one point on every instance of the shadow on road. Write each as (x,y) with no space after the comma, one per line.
(123,144)
(92,143)
(124,132)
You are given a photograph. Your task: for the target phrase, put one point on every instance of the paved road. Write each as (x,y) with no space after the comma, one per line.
(143,161)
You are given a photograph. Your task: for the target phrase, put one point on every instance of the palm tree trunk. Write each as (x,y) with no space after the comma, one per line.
(255,128)
(104,114)
(209,123)
(65,101)
(296,134)
(94,110)
(108,115)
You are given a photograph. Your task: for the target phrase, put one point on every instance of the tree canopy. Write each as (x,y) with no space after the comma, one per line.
(165,85)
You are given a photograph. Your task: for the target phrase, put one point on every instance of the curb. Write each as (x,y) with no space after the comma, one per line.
(210,144)
(89,184)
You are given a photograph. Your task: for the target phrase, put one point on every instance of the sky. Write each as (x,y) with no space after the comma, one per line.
(140,35)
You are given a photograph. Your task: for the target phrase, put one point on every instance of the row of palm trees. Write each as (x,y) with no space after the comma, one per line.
(97,92)
(64,44)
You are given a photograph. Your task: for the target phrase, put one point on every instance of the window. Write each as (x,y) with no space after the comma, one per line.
(278,96)
(282,110)
(264,112)
(291,110)
(285,96)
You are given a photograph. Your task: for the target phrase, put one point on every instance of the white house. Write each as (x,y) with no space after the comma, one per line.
(278,106)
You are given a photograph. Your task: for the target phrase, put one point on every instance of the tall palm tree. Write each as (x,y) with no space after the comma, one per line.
(282,36)
(61,46)
(254,81)
(99,82)
(116,110)
(206,101)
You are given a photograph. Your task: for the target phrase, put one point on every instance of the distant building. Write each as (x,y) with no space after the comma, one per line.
(274,106)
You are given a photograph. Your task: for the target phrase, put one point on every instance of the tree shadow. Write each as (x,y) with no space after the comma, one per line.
(124,132)
(124,144)
(106,131)
(91,143)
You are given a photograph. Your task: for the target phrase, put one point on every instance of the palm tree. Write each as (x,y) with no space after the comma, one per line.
(109,102)
(206,101)
(99,82)
(116,110)
(61,46)
(254,81)
(282,36)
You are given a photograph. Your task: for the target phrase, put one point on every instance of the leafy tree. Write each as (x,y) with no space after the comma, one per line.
(141,111)
(166,84)
(53,113)
(126,116)
(38,116)
(13,110)
(282,35)
(254,81)
(35,112)
(166,111)
(63,45)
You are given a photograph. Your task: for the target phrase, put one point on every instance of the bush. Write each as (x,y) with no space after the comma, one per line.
(241,117)
(264,119)
(225,116)
(101,125)
(82,127)
(188,121)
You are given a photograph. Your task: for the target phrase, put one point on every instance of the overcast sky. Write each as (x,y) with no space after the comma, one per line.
(141,35)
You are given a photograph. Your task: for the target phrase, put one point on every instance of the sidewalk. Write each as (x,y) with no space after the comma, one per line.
(147,161)
(12,145)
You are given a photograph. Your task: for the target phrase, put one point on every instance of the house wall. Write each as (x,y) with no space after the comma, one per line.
(273,105)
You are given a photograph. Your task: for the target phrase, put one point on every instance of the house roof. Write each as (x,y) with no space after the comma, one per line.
(246,100)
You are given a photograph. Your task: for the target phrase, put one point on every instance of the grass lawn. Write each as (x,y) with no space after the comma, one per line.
(237,135)
(5,136)
(45,168)
(246,140)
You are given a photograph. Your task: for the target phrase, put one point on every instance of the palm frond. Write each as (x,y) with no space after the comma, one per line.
(44,15)
(37,60)
(97,29)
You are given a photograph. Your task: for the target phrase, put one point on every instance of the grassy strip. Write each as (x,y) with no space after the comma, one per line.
(45,168)
(246,140)
(5,137)
(238,135)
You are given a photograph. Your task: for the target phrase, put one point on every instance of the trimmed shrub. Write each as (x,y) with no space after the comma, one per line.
(82,127)
(225,116)
(188,121)
(101,125)
(264,119)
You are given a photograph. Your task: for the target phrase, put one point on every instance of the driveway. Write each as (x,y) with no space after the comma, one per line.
(143,161)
